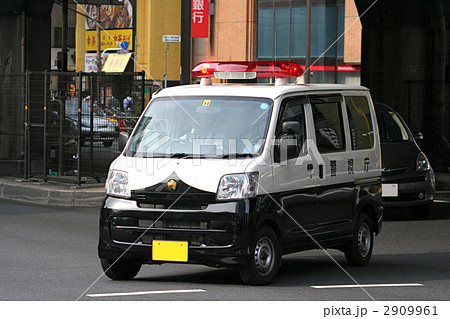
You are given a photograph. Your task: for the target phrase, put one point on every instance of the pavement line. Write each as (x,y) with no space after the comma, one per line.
(136,293)
(367,286)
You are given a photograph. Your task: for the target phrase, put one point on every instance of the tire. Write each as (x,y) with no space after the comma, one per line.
(120,269)
(107,143)
(359,251)
(421,212)
(265,258)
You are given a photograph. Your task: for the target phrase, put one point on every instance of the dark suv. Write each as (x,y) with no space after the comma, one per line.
(407,176)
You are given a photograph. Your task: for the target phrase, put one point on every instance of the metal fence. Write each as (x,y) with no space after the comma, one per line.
(65,125)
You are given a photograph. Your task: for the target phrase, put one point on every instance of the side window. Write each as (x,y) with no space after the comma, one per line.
(328,126)
(360,122)
(293,111)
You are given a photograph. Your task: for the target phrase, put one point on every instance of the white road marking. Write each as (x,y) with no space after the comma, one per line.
(137,293)
(367,286)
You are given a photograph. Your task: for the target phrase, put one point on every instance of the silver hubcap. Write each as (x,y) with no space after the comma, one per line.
(364,240)
(264,256)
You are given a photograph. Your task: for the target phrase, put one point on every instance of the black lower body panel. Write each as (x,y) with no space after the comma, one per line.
(215,235)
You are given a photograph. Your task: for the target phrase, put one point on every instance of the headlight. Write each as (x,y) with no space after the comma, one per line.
(422,163)
(237,186)
(117,184)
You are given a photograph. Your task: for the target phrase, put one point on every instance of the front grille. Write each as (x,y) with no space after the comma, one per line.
(196,232)
(173,223)
(416,179)
(172,206)
(184,197)
(405,197)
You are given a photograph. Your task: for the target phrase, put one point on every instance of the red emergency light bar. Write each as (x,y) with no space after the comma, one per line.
(276,69)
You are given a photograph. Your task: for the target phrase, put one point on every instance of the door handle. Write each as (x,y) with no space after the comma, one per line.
(321,171)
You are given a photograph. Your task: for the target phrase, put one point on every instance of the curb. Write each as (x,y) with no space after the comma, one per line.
(51,194)
(92,195)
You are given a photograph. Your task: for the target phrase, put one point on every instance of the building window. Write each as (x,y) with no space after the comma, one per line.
(281,35)
(57,37)
(282,29)
(265,30)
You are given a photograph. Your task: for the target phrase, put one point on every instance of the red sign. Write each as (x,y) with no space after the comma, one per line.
(199,18)
(340,68)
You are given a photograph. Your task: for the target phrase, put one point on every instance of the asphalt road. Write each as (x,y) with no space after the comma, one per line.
(49,253)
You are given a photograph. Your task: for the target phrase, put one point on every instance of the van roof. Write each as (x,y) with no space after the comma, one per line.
(254,90)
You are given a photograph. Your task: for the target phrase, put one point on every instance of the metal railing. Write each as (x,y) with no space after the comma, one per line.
(65,125)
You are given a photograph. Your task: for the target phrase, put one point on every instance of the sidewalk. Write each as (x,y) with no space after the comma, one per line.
(52,193)
(91,195)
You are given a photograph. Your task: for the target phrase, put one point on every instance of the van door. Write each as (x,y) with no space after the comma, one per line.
(363,131)
(335,191)
(294,174)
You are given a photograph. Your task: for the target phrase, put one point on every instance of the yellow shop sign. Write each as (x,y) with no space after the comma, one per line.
(108,39)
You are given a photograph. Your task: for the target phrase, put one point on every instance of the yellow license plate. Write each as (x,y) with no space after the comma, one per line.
(164,250)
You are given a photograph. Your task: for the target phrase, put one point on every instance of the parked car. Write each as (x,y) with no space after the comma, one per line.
(103,130)
(407,177)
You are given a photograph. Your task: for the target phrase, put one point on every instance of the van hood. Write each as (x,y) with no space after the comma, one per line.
(203,174)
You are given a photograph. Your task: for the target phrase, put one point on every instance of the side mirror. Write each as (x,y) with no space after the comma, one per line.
(290,127)
(288,145)
(123,138)
(418,136)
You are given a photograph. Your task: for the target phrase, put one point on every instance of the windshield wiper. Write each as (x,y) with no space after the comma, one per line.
(235,155)
(179,155)
(175,155)
(186,155)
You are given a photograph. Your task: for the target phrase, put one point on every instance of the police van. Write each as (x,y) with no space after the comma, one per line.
(238,175)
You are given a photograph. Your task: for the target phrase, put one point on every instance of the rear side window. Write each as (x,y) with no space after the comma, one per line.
(360,121)
(328,126)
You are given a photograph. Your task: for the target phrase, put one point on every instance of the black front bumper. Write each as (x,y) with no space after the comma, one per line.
(413,191)
(217,234)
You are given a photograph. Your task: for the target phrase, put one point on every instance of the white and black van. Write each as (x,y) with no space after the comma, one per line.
(237,175)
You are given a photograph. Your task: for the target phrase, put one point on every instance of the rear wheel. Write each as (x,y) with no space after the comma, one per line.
(359,251)
(120,269)
(265,258)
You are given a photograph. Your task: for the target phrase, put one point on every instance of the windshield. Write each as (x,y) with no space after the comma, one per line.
(392,128)
(201,126)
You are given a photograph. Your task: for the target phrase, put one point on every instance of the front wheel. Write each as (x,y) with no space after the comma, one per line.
(264,260)
(422,211)
(359,251)
(120,269)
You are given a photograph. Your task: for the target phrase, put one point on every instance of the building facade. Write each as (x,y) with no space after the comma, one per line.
(276,30)
(142,25)
(242,31)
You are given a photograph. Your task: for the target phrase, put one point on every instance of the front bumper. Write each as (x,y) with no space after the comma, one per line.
(416,191)
(217,234)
